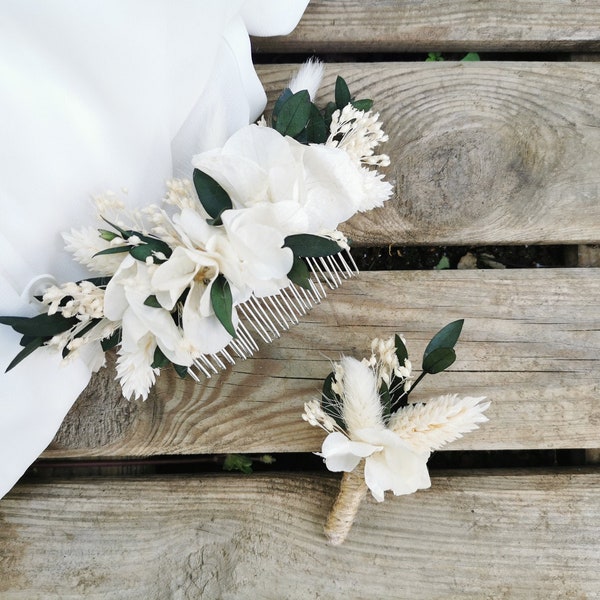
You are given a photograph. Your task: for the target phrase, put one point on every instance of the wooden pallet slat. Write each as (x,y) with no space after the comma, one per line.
(518,535)
(334,26)
(530,344)
(481,153)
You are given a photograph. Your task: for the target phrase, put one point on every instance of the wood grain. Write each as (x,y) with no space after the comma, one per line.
(477,536)
(482,153)
(530,343)
(334,26)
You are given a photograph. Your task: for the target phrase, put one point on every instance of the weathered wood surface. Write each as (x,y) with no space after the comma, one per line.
(482,153)
(530,343)
(491,535)
(333,26)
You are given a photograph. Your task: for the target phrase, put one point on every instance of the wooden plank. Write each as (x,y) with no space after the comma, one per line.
(490,535)
(482,153)
(333,26)
(530,343)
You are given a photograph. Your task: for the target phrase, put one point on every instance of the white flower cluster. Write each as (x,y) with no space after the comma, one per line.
(395,451)
(277,186)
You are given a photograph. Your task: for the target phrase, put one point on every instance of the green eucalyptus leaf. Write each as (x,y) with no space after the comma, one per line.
(331,402)
(212,196)
(152,301)
(113,250)
(438,360)
(294,114)
(110,342)
(159,360)
(34,344)
(299,273)
(222,303)
(329,110)
(446,337)
(316,130)
(283,97)
(43,325)
(141,252)
(386,401)
(305,244)
(364,104)
(124,233)
(181,371)
(401,351)
(342,93)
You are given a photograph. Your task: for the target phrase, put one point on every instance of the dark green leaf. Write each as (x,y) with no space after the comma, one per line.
(342,93)
(438,360)
(152,301)
(446,337)
(181,371)
(470,57)
(316,130)
(159,360)
(299,273)
(294,114)
(141,252)
(113,250)
(156,244)
(401,351)
(305,244)
(212,196)
(41,325)
(34,344)
(386,401)
(222,303)
(364,104)
(331,402)
(97,281)
(329,110)
(124,233)
(285,95)
(110,342)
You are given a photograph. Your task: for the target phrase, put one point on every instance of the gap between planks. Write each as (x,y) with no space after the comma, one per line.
(358,26)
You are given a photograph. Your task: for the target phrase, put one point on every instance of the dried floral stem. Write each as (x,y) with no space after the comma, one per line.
(353,489)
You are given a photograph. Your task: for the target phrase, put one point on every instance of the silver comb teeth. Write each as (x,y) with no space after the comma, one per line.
(267,317)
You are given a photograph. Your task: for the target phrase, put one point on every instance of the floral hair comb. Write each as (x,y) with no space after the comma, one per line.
(236,254)
(375,436)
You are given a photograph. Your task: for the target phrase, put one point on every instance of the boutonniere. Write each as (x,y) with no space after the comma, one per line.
(379,439)
(233,255)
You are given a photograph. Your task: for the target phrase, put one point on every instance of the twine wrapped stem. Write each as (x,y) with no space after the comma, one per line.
(353,489)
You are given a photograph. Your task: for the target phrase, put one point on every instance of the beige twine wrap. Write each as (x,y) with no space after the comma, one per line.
(353,489)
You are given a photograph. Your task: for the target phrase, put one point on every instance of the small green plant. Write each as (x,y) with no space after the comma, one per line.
(437,57)
(243,462)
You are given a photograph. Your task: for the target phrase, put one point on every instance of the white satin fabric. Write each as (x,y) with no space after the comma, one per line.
(101,95)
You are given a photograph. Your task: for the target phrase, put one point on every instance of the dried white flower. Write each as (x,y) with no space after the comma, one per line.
(308,78)
(358,133)
(440,421)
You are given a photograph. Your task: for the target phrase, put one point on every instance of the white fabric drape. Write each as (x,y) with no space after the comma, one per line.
(94,96)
